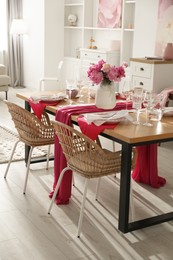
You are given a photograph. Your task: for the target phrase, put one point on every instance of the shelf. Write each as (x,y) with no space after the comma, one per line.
(129,30)
(102,29)
(80,4)
(94,28)
(131,2)
(73,27)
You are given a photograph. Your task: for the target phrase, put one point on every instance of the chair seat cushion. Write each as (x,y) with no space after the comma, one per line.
(4,80)
(2,69)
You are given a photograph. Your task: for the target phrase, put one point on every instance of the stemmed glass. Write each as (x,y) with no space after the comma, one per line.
(80,84)
(70,86)
(137,98)
(149,101)
(127,91)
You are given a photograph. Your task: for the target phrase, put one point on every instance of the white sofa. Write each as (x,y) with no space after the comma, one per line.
(4,80)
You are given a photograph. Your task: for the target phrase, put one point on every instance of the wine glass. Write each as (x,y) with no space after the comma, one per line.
(149,102)
(127,91)
(70,86)
(81,77)
(137,98)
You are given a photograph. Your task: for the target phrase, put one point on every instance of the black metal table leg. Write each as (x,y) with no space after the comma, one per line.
(125,187)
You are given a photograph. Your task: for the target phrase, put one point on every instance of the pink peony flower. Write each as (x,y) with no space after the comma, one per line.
(103,72)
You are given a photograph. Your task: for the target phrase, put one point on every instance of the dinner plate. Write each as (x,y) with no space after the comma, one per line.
(100,118)
(49,98)
(168,111)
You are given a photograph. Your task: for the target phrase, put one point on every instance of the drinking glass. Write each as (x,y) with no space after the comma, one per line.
(80,83)
(137,98)
(149,102)
(127,91)
(70,86)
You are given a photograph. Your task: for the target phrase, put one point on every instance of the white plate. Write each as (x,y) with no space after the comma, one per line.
(100,118)
(47,98)
(168,111)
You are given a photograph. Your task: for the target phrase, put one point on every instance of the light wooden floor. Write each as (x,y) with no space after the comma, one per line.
(28,232)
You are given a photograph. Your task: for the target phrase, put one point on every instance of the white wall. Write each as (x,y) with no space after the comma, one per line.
(43,48)
(145,28)
(33,42)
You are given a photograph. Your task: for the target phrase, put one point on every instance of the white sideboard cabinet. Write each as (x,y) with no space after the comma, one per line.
(152,74)
(89,57)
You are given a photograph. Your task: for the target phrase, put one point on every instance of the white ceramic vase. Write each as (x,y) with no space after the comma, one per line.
(105,96)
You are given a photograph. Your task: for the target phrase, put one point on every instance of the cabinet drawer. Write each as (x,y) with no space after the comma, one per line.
(147,84)
(94,56)
(142,69)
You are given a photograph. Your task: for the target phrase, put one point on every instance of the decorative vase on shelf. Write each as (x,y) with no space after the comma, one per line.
(168,52)
(105,96)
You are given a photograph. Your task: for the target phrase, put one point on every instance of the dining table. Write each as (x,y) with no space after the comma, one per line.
(128,135)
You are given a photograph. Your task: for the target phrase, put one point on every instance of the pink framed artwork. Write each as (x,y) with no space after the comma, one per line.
(109,13)
(164,32)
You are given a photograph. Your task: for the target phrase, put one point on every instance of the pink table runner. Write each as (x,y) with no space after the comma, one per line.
(146,170)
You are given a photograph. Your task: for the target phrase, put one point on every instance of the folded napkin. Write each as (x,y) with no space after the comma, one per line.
(168,111)
(91,130)
(164,95)
(101,118)
(120,96)
(49,98)
(38,103)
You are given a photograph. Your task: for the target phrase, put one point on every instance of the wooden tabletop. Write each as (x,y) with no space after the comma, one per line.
(151,60)
(125,131)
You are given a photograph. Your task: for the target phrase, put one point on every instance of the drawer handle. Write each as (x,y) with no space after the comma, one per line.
(92,63)
(85,54)
(98,56)
(141,83)
(142,69)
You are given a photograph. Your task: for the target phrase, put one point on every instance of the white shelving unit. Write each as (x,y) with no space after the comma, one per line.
(78,36)
(128,28)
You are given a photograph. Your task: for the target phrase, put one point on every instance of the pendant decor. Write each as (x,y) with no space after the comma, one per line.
(104,75)
(168,52)
(105,96)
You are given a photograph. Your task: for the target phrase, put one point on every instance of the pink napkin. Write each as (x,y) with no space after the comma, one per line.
(39,107)
(91,130)
(164,94)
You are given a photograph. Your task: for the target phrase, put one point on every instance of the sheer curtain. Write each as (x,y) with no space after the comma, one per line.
(3,32)
(14,11)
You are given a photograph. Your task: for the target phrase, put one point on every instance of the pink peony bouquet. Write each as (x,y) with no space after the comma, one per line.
(104,73)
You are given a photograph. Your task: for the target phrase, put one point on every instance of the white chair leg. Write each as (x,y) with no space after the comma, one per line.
(48,156)
(57,187)
(27,169)
(97,188)
(11,157)
(82,208)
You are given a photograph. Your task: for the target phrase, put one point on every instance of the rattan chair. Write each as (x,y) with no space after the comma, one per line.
(32,132)
(86,158)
